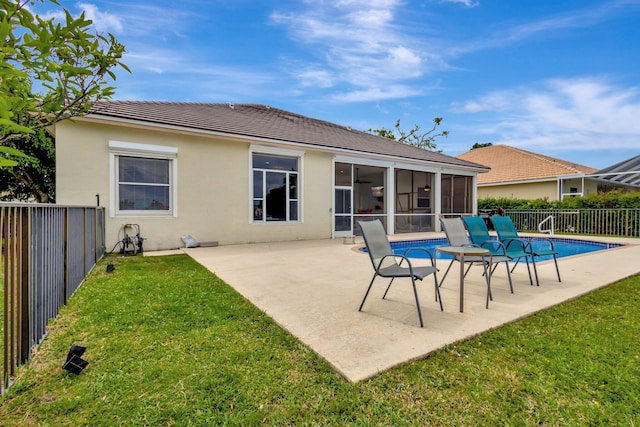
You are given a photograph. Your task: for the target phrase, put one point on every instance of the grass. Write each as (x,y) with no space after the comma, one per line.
(168,343)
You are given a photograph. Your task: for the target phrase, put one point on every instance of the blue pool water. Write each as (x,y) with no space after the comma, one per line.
(565,247)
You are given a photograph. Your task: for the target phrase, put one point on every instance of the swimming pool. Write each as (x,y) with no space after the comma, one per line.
(565,247)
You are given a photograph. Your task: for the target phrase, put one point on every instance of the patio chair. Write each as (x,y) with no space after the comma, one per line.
(508,235)
(385,263)
(456,233)
(479,235)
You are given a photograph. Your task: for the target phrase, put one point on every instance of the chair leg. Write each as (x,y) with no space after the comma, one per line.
(515,265)
(487,276)
(446,272)
(495,267)
(509,276)
(535,270)
(468,268)
(367,293)
(557,269)
(526,259)
(438,297)
(415,293)
(388,287)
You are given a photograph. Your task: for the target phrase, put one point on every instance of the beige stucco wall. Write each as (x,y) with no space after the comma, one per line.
(537,190)
(214,201)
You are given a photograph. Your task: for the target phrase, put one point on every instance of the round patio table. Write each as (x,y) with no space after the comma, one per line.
(460,252)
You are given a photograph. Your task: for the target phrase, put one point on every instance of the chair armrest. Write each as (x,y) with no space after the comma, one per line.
(542,250)
(404,255)
(496,245)
(395,257)
(524,244)
(544,239)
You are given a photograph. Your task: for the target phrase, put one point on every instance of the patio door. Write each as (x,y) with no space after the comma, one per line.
(343,215)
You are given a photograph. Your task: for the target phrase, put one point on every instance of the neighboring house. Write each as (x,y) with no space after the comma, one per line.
(248,173)
(521,174)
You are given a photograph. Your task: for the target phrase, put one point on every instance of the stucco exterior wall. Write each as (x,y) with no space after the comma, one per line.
(213,187)
(537,190)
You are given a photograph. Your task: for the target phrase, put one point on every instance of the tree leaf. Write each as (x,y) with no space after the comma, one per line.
(13,152)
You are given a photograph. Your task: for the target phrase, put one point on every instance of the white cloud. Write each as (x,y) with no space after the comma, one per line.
(315,78)
(403,57)
(547,27)
(102,21)
(376,93)
(155,60)
(467,3)
(561,114)
(129,18)
(496,101)
(58,15)
(370,18)
(375,4)
(365,44)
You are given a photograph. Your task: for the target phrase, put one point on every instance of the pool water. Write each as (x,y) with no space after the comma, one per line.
(565,247)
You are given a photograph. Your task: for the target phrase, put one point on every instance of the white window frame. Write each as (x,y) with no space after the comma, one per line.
(276,151)
(145,151)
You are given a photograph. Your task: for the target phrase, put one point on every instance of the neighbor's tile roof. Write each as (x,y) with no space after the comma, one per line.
(264,122)
(509,164)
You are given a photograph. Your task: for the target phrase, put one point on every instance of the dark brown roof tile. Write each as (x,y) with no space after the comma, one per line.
(262,121)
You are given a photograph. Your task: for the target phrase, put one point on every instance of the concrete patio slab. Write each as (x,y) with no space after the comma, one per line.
(313,289)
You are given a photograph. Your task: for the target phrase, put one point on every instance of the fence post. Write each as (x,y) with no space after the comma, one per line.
(25,283)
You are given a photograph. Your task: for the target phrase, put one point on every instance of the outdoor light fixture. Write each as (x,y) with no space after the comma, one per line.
(427,188)
(75,364)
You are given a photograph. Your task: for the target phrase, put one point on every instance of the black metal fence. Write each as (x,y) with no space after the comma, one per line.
(46,253)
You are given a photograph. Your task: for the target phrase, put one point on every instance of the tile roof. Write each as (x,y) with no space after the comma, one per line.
(265,122)
(509,164)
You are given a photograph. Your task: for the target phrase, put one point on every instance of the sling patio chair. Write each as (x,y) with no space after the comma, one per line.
(456,233)
(514,250)
(385,263)
(508,235)
(479,235)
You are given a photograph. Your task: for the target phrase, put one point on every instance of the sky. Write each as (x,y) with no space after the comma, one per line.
(555,77)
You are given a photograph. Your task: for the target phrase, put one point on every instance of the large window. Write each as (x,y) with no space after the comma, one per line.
(143,178)
(275,188)
(144,184)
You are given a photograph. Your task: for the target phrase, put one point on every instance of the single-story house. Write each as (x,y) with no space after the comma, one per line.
(240,173)
(521,174)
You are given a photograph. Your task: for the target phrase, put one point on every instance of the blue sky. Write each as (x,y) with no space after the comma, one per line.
(556,77)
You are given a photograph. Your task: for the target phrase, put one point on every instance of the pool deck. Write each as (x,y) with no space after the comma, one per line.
(313,289)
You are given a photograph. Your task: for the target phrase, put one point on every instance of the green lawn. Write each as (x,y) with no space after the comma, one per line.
(168,343)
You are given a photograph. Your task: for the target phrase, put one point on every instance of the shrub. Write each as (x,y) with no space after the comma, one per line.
(610,200)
